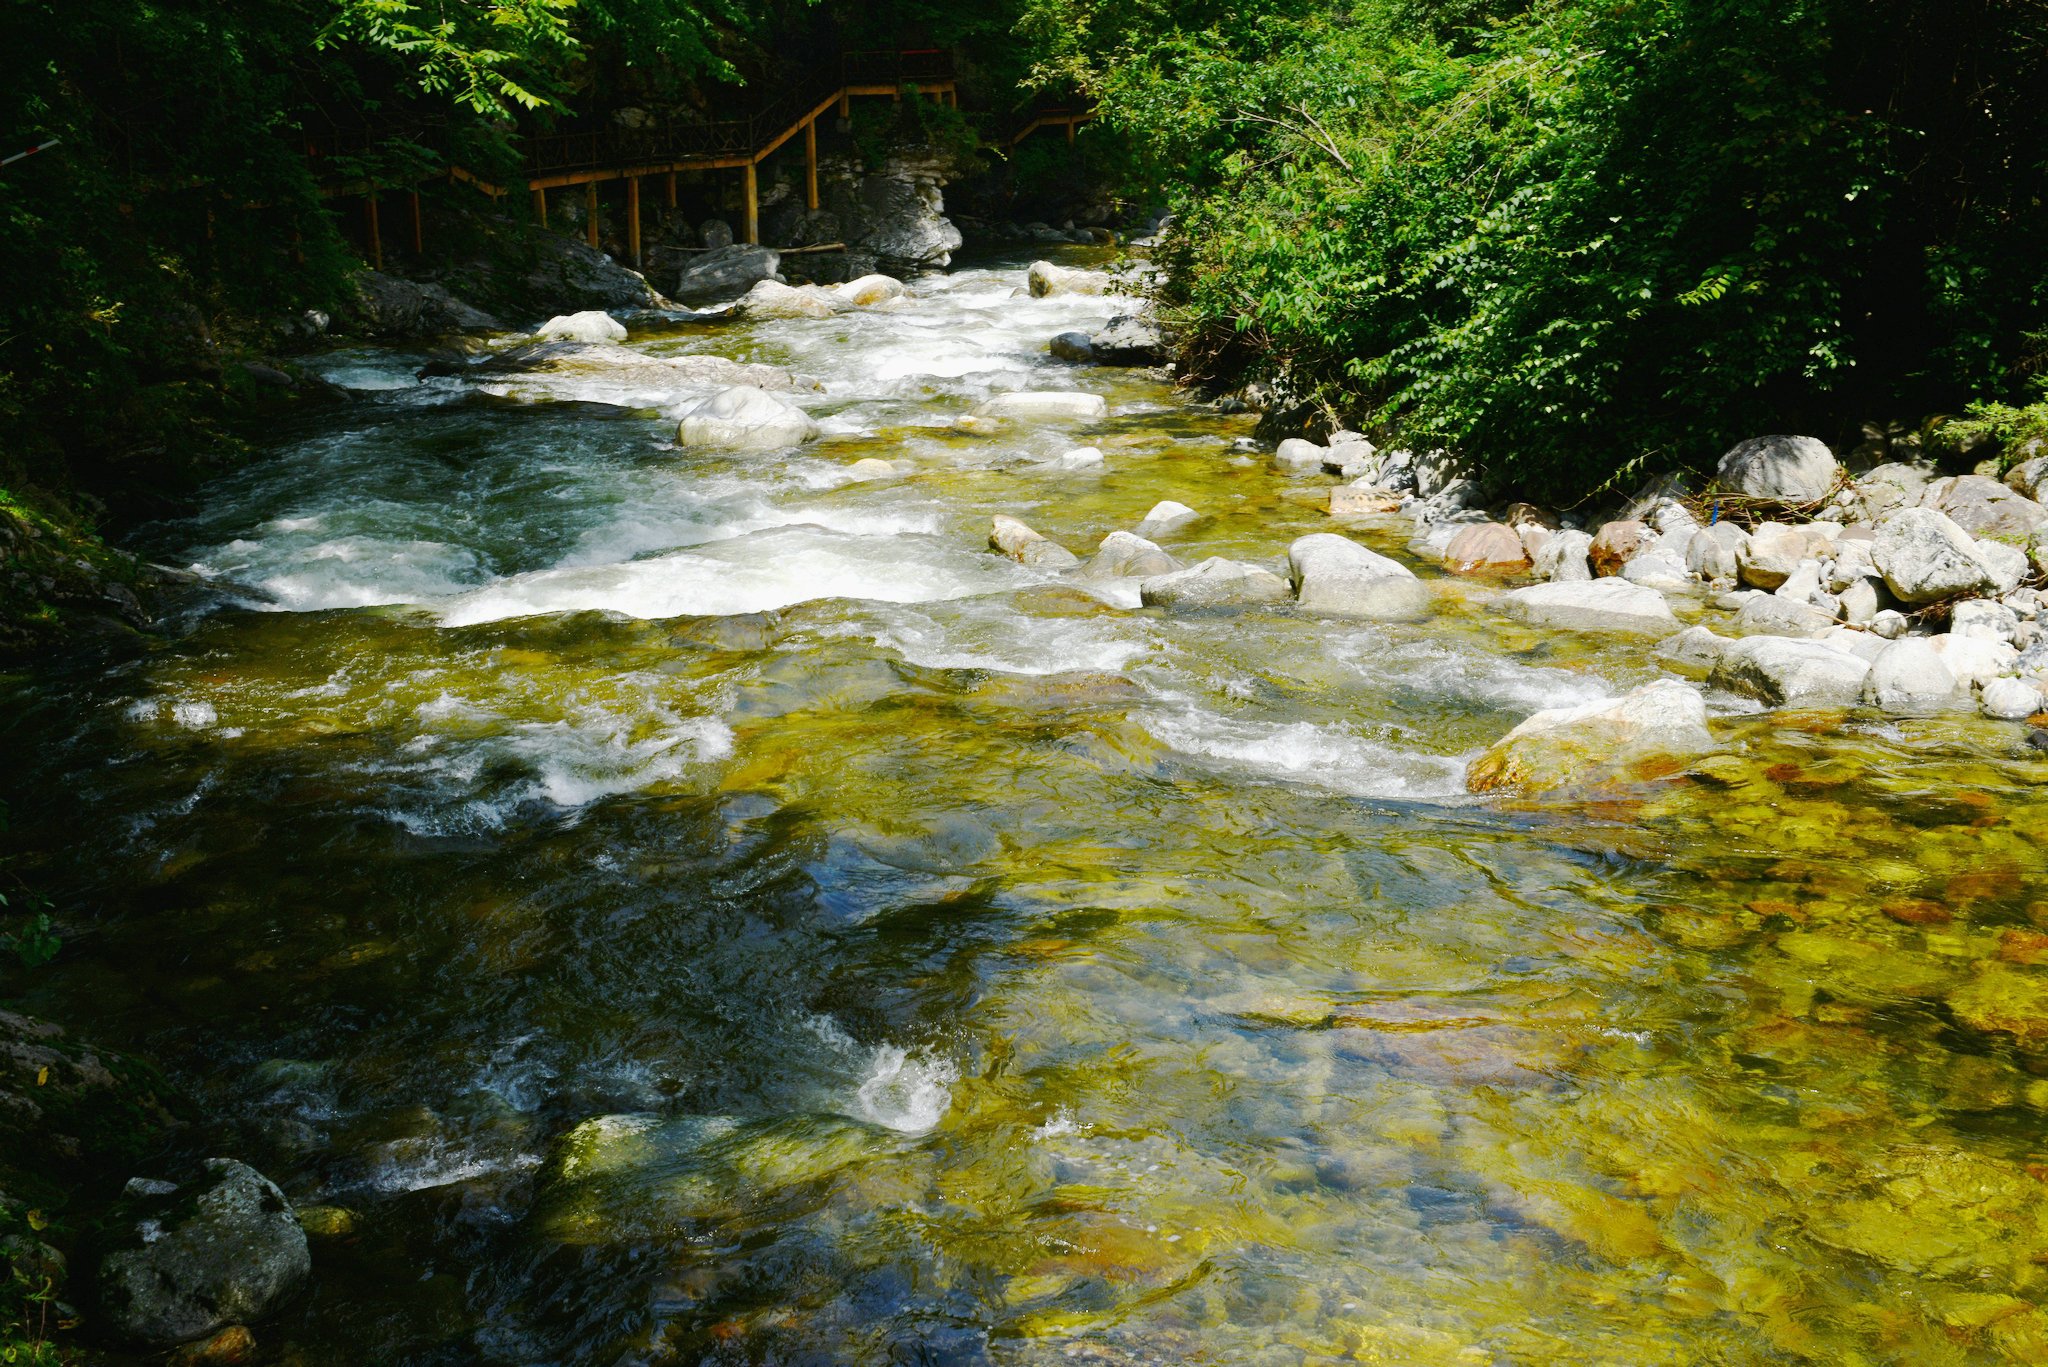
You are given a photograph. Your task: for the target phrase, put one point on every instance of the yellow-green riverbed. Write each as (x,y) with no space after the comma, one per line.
(691,907)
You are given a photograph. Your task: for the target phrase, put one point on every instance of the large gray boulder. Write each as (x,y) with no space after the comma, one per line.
(770,299)
(1909,675)
(1788,673)
(1982,506)
(1123,555)
(1594,605)
(1791,469)
(222,1249)
(1215,583)
(898,217)
(1769,615)
(1924,557)
(1336,576)
(386,307)
(1637,734)
(1564,558)
(745,418)
(727,272)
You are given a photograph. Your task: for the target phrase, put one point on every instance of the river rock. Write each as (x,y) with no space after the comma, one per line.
(1072,346)
(1924,556)
(1044,278)
(2011,699)
(1130,341)
(1297,454)
(1598,605)
(1973,660)
(1336,576)
(592,325)
(744,418)
(727,272)
(68,1107)
(1564,558)
(2007,565)
(1982,617)
(1045,406)
(1616,543)
(1692,652)
(1651,728)
(386,307)
(1534,539)
(1712,552)
(773,299)
(1354,500)
(1215,583)
(1982,506)
(1027,547)
(1767,557)
(1486,548)
(1862,599)
(871,468)
(1908,676)
(1123,555)
(1767,614)
(1167,516)
(1657,567)
(1789,469)
(2030,476)
(221,1249)
(1080,458)
(870,290)
(1788,673)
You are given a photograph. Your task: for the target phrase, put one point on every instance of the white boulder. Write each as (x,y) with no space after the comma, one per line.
(745,418)
(1609,604)
(592,325)
(1336,576)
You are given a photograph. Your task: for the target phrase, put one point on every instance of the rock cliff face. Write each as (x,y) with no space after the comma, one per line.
(892,218)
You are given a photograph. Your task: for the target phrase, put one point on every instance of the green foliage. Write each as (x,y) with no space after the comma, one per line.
(1573,237)
(2014,432)
(474,52)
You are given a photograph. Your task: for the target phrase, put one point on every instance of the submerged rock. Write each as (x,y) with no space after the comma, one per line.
(222,1249)
(1028,547)
(2003,999)
(1652,730)
(1167,516)
(744,418)
(1045,406)
(1215,583)
(1336,576)
(1596,605)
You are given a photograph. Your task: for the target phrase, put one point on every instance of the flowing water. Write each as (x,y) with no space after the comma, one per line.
(692,906)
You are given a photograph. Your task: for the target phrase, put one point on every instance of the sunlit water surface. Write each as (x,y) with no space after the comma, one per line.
(695,907)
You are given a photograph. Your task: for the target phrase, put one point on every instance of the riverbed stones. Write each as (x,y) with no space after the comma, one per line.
(1657,567)
(1616,543)
(1129,340)
(1045,405)
(1972,659)
(1766,558)
(1692,652)
(1784,672)
(770,299)
(745,418)
(1486,548)
(1982,617)
(1711,552)
(1788,469)
(1166,517)
(1335,576)
(1598,605)
(1123,555)
(592,325)
(1080,458)
(1924,556)
(2005,1000)
(1072,346)
(1296,453)
(1769,615)
(221,1249)
(1564,558)
(1027,547)
(1908,676)
(1215,583)
(1352,500)
(2011,699)
(727,271)
(1044,279)
(1655,728)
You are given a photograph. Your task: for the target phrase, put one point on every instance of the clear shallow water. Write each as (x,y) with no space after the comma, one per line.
(696,908)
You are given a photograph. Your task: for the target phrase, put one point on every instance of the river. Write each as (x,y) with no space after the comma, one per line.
(695,906)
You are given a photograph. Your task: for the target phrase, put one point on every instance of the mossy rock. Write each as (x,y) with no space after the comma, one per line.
(70,1111)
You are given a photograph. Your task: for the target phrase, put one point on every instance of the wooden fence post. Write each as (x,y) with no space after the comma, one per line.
(753,193)
(811,165)
(419,242)
(633,219)
(376,239)
(590,211)
(540,206)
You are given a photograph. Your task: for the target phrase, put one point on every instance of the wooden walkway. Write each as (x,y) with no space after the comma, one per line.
(634,155)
